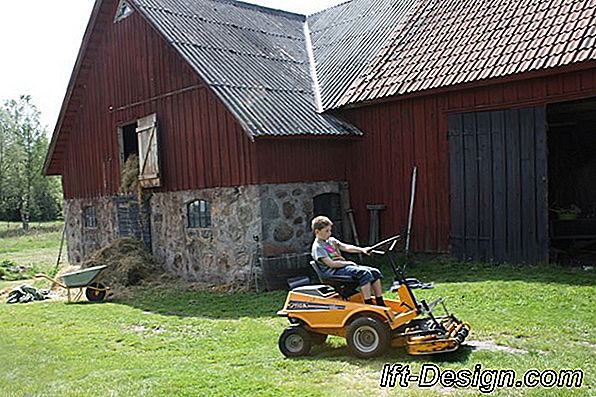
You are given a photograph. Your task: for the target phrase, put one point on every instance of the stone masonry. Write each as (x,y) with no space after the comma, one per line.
(277,215)
(219,254)
(287,211)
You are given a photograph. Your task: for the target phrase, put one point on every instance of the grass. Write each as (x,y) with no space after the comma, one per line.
(172,341)
(35,250)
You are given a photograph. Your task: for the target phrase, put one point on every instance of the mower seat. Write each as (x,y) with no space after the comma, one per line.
(346,286)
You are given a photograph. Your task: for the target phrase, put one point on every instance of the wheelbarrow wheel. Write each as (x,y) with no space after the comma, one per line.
(95,292)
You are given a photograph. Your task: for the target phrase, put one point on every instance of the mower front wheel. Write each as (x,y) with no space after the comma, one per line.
(367,337)
(295,342)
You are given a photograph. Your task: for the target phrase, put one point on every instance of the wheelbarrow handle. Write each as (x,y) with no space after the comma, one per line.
(42,275)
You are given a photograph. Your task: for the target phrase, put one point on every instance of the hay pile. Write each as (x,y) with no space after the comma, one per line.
(128,263)
(129,181)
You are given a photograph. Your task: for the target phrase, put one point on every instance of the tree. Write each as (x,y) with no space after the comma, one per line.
(25,193)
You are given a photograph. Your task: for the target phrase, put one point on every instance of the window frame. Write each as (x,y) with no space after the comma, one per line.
(90,217)
(198,214)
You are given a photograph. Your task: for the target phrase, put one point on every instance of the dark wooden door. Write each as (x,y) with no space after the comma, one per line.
(498,176)
(329,204)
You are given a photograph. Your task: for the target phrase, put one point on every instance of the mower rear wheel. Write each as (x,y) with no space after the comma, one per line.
(367,337)
(295,342)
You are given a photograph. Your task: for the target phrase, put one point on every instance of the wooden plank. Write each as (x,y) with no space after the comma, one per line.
(499,184)
(190,138)
(513,186)
(215,148)
(206,151)
(541,174)
(528,186)
(485,187)
(471,224)
(456,172)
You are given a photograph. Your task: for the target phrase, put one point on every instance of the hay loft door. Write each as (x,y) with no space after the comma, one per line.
(147,136)
(498,176)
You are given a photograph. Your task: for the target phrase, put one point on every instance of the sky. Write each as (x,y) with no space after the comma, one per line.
(41,39)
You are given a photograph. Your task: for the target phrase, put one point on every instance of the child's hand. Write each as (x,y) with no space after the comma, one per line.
(367,250)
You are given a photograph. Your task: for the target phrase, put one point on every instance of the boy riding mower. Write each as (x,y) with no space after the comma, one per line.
(337,308)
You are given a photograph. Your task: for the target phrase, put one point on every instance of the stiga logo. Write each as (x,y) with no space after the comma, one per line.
(301,305)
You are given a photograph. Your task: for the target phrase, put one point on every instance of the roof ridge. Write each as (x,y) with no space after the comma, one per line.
(312,67)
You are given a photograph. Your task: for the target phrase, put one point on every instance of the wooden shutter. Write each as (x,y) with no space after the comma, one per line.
(148,152)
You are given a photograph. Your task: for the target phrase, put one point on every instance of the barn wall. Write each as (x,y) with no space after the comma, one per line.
(408,132)
(284,160)
(135,73)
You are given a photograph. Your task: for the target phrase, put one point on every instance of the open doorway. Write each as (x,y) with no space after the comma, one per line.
(572,181)
(129,158)
(130,144)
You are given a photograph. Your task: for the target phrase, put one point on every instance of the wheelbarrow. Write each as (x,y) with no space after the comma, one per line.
(84,278)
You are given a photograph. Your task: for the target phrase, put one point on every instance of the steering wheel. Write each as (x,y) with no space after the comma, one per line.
(393,240)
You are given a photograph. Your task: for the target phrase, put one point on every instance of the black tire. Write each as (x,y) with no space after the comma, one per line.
(295,342)
(367,337)
(317,339)
(95,292)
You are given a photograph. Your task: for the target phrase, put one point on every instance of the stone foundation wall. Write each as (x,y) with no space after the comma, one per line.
(83,241)
(219,254)
(287,211)
(279,215)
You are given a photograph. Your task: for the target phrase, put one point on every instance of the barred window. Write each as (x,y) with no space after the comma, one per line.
(89,217)
(199,214)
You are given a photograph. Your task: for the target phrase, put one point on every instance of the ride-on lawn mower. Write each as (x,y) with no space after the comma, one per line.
(336,308)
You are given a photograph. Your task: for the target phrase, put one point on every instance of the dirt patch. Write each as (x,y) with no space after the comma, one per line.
(128,263)
(588,344)
(492,346)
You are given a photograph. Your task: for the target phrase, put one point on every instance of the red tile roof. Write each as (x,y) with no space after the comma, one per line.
(447,42)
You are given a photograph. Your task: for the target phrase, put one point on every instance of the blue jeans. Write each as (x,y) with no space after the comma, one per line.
(364,274)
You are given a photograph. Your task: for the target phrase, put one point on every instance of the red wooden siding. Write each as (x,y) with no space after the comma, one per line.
(135,73)
(408,132)
(297,160)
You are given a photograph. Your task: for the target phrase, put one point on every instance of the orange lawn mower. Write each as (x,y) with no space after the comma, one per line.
(336,307)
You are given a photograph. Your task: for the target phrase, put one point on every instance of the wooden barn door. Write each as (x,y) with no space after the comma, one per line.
(148,152)
(498,171)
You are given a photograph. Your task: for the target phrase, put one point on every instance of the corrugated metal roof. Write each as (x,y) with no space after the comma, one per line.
(254,58)
(450,42)
(346,38)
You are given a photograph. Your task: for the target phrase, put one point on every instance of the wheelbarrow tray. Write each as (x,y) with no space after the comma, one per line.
(81,278)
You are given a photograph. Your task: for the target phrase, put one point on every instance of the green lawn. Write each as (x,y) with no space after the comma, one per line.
(37,249)
(173,341)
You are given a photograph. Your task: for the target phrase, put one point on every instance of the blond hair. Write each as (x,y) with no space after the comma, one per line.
(320,222)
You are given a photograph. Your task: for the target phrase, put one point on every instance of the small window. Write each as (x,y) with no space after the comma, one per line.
(90,217)
(199,214)
(124,10)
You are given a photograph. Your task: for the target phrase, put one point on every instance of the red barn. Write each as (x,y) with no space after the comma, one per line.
(248,121)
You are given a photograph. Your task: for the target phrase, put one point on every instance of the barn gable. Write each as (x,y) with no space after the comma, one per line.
(255,60)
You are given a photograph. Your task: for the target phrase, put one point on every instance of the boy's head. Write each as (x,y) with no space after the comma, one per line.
(321,227)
